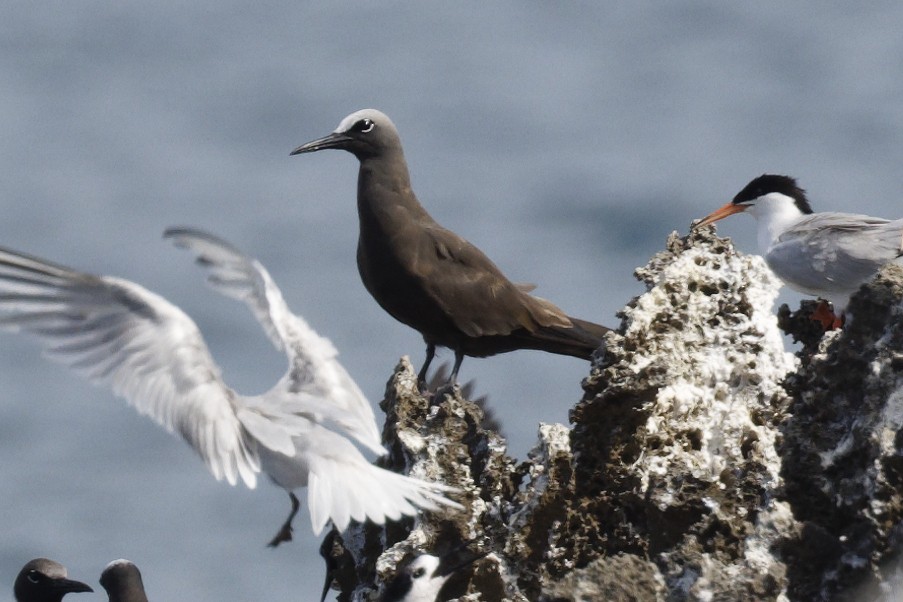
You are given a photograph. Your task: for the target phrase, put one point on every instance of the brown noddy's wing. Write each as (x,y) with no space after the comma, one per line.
(473,292)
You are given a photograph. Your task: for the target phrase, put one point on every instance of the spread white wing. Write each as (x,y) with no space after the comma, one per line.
(118,334)
(315,379)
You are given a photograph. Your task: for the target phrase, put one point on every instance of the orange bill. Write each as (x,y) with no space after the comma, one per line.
(720,213)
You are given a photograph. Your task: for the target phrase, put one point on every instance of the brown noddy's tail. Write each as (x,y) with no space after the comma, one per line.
(579,340)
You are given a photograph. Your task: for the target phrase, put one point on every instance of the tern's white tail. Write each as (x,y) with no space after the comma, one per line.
(346,488)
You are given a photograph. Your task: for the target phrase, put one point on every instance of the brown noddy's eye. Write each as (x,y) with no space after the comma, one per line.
(363,126)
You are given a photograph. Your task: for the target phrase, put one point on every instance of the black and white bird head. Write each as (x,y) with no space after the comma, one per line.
(768,196)
(45,580)
(122,580)
(423,578)
(365,133)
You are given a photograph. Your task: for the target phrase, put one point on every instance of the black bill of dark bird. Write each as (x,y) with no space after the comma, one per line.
(45,580)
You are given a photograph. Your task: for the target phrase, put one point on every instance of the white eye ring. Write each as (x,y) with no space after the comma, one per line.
(420,572)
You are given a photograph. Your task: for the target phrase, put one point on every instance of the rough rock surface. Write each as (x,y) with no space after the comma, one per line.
(842,446)
(704,462)
(676,434)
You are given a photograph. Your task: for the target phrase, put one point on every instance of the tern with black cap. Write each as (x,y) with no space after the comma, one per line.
(430,278)
(45,580)
(121,335)
(827,255)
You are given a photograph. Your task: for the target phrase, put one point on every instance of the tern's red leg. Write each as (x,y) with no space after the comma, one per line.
(829,320)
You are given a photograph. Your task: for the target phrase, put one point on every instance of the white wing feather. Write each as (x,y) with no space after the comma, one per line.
(342,486)
(118,334)
(315,378)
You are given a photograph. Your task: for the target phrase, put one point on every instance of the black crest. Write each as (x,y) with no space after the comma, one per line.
(772,183)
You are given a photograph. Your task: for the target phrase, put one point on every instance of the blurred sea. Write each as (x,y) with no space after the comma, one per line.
(566,140)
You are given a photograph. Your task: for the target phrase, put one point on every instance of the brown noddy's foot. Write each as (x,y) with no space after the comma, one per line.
(449,388)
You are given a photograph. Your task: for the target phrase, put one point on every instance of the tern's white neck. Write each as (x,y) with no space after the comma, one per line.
(423,580)
(774,212)
(426,590)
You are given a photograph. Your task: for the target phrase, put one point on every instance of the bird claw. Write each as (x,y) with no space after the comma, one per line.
(435,397)
(284,535)
(450,388)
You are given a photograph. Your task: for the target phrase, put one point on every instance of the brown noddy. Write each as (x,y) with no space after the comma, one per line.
(431,279)
(45,580)
(122,580)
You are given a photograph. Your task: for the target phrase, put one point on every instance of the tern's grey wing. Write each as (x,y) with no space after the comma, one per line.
(315,375)
(118,334)
(835,251)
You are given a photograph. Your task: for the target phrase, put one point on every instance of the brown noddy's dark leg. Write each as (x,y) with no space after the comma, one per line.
(459,357)
(430,354)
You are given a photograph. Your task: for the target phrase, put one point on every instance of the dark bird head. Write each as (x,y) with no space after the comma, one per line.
(773,188)
(122,580)
(45,580)
(365,133)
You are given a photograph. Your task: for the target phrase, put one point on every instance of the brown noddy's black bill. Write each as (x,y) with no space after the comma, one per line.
(45,580)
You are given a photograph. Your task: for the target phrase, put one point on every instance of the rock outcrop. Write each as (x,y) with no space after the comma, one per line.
(704,462)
